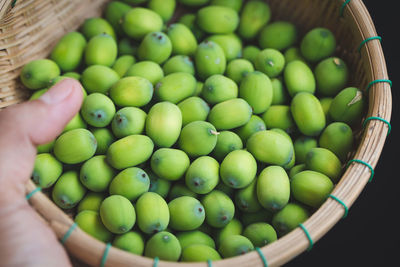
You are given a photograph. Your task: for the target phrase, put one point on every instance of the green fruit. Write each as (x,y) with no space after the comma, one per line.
(331,75)
(164,8)
(254,16)
(189,20)
(221,186)
(117,214)
(193,109)
(75,123)
(37,94)
(338,138)
(279,95)
(169,163)
(199,253)
(237,69)
(164,246)
(175,87)
(179,190)
(227,142)
(140,21)
(130,183)
(128,121)
(127,46)
(260,234)
(308,114)
(270,147)
(68,51)
(256,89)
(317,44)
(255,124)
(234,227)
(90,222)
(91,201)
(219,208)
(129,151)
(311,188)
(179,63)
(273,188)
(96,174)
(234,4)
(238,169)
(152,213)
(101,49)
(155,46)
(209,59)
(202,176)
(98,110)
(68,190)
(195,237)
(114,12)
(248,218)
(230,114)
(104,139)
(246,198)
(132,91)
(199,88)
(217,19)
(148,70)
(230,43)
(302,145)
(250,53)
(163,124)
(347,106)
(278,35)
(296,169)
(235,245)
(279,116)
(194,2)
(158,185)
(186,213)
(135,2)
(45,148)
(183,40)
(132,242)
(98,79)
(326,104)
(198,138)
(95,25)
(289,218)
(75,146)
(46,170)
(324,161)
(299,78)
(122,64)
(270,61)
(218,88)
(294,53)
(37,74)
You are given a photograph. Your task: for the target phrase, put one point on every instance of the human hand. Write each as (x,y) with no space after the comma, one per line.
(25,239)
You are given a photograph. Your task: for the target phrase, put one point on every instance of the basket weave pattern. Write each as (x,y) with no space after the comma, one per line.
(30,29)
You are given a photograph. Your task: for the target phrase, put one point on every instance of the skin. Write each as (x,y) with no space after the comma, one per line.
(28,125)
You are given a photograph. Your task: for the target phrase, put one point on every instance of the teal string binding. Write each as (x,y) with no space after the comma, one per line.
(155,263)
(209,263)
(308,236)
(379,119)
(343,6)
(367,40)
(264,260)
(378,81)
(34,191)
(346,209)
(364,163)
(105,254)
(68,233)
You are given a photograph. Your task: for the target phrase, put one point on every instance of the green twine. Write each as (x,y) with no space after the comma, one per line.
(105,254)
(308,236)
(68,233)
(343,6)
(379,119)
(209,263)
(346,209)
(155,263)
(367,40)
(364,163)
(34,191)
(378,81)
(264,260)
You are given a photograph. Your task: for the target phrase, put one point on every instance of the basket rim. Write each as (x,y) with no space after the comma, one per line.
(351,184)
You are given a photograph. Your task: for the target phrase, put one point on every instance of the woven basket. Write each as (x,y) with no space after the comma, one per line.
(30,28)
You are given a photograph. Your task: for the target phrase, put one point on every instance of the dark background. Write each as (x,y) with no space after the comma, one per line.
(370,234)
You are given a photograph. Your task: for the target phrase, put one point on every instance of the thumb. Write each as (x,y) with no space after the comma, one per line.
(24,126)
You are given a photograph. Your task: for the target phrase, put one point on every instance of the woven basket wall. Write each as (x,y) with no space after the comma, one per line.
(30,28)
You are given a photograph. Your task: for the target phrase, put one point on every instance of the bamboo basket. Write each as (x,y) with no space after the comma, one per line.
(30,28)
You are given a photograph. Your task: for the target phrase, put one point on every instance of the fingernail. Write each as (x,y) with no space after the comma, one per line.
(57,93)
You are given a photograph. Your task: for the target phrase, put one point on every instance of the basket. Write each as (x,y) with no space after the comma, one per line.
(30,28)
